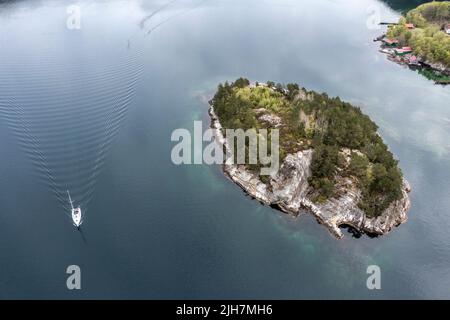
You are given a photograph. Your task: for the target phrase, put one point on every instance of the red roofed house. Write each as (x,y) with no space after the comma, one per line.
(390,42)
(409,26)
(413,61)
(403,51)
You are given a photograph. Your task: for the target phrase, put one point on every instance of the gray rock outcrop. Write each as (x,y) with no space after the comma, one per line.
(290,192)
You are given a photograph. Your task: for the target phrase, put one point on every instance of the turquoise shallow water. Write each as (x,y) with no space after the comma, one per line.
(93,110)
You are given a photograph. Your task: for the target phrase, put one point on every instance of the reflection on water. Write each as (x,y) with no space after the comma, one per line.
(404,5)
(162,231)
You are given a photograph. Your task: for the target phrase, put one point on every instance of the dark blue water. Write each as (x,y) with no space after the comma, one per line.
(92,110)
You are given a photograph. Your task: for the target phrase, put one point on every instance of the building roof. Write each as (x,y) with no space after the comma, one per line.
(409,25)
(403,50)
(390,41)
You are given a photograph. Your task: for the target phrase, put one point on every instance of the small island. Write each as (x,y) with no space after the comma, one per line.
(333,162)
(421,41)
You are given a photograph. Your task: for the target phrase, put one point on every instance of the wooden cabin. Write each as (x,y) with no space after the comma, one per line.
(390,42)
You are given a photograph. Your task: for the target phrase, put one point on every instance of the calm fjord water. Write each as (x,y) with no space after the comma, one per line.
(92,110)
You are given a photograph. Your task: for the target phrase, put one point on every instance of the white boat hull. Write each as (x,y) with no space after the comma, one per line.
(76,213)
(76,217)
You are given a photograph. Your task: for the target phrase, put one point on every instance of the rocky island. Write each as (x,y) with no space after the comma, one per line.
(333,163)
(421,40)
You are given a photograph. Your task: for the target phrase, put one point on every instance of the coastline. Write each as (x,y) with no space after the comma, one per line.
(413,62)
(290,193)
(420,40)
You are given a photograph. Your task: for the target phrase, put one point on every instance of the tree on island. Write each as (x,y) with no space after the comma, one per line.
(325,124)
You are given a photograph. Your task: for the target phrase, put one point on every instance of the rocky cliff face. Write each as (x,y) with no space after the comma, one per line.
(290,192)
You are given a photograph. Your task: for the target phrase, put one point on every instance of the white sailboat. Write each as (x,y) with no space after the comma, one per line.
(76,213)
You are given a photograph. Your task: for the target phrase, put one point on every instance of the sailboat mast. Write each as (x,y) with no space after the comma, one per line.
(70,199)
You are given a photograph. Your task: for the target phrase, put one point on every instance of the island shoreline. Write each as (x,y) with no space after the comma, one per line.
(355,219)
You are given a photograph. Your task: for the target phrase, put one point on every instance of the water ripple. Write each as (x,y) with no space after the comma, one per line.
(65,113)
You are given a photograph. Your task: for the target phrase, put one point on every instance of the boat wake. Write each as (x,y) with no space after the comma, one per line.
(65,110)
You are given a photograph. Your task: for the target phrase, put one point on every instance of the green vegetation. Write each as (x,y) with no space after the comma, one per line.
(234,112)
(427,39)
(313,120)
